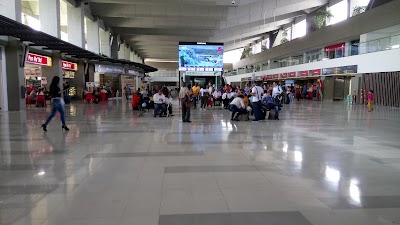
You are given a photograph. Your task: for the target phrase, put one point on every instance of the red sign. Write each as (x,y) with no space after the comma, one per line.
(265,79)
(284,75)
(304,73)
(69,65)
(292,74)
(276,75)
(334,47)
(316,72)
(269,76)
(38,59)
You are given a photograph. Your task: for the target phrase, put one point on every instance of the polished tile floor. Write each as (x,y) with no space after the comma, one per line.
(321,164)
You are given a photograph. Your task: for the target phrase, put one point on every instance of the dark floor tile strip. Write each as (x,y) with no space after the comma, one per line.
(250,218)
(24,167)
(142,154)
(36,189)
(227,168)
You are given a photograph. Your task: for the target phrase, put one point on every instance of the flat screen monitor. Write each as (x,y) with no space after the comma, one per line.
(201,56)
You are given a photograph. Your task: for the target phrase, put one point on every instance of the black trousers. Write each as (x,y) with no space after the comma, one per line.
(185,112)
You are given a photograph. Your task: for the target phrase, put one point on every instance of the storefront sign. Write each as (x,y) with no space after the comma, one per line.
(69,65)
(292,74)
(38,59)
(304,73)
(316,72)
(276,76)
(265,78)
(198,73)
(131,72)
(269,77)
(334,47)
(284,75)
(340,70)
(89,84)
(108,69)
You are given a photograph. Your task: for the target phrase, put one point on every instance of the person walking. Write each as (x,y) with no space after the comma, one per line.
(57,104)
(186,104)
(196,91)
(370,100)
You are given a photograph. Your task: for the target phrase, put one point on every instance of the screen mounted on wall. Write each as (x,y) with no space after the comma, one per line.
(201,56)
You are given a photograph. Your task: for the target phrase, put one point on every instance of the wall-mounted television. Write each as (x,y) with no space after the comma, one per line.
(201,56)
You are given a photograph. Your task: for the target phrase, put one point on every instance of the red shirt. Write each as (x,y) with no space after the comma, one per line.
(370,96)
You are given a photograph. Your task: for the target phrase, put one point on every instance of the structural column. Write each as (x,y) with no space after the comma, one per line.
(80,79)
(105,47)
(11,9)
(127,53)
(76,25)
(93,36)
(114,47)
(49,14)
(15,76)
(121,52)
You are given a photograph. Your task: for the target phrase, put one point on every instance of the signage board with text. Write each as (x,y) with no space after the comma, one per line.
(69,65)
(284,75)
(340,70)
(304,73)
(38,59)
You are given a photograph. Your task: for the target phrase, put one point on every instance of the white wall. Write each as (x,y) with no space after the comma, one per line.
(384,61)
(164,79)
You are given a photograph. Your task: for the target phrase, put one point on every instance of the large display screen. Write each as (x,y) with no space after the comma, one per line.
(201,56)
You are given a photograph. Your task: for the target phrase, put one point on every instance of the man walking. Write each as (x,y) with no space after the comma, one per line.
(196,91)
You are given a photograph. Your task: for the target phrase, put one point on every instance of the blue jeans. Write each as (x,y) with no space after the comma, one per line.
(57,106)
(195,101)
(257,110)
(159,106)
(234,109)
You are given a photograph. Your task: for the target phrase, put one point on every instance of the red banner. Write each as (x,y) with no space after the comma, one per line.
(269,76)
(276,75)
(265,79)
(292,74)
(38,59)
(316,72)
(304,73)
(69,65)
(334,47)
(284,75)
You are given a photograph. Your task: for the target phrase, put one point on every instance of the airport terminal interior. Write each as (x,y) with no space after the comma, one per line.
(206,112)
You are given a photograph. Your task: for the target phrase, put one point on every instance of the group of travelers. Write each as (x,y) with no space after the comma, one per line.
(161,101)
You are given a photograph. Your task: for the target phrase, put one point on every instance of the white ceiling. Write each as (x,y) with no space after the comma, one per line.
(154,27)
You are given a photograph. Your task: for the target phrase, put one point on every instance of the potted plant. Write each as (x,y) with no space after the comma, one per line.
(321,17)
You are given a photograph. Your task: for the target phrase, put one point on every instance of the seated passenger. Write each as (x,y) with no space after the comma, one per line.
(169,104)
(269,103)
(159,103)
(237,107)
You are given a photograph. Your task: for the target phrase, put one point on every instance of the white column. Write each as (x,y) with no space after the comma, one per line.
(49,15)
(76,25)
(93,36)
(121,52)
(11,9)
(132,56)
(127,52)
(105,47)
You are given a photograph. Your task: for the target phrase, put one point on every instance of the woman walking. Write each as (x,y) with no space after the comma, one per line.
(57,104)
(186,104)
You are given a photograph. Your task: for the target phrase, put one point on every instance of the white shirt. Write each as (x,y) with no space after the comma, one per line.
(158,99)
(231,95)
(224,96)
(210,90)
(238,102)
(258,93)
(202,91)
(169,101)
(217,94)
(276,91)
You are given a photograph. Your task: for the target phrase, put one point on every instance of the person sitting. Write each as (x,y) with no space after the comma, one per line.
(96,98)
(237,107)
(159,103)
(32,96)
(269,103)
(217,96)
(225,100)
